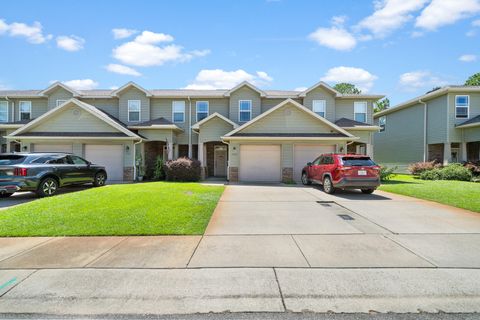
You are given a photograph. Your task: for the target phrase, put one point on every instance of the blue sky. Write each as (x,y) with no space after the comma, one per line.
(401,48)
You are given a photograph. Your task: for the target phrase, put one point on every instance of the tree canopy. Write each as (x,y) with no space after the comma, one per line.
(347,88)
(381,105)
(474,80)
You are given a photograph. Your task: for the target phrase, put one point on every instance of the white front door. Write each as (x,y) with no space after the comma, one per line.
(109,156)
(304,153)
(260,163)
(220,161)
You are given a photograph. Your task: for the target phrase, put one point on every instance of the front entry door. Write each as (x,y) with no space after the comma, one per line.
(220,162)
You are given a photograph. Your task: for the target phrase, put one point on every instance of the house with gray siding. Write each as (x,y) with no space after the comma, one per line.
(243,133)
(443,125)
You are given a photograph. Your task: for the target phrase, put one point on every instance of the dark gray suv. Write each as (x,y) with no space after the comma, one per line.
(45,173)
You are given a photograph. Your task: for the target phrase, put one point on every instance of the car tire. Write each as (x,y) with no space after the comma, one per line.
(5,195)
(305,179)
(47,187)
(367,191)
(99,179)
(328,185)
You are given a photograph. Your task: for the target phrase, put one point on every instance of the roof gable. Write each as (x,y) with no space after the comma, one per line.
(243,84)
(214,115)
(319,84)
(128,85)
(59,85)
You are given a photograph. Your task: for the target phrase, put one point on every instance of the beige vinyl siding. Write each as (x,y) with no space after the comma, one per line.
(68,121)
(365,136)
(244,93)
(58,94)
(345,109)
(287,155)
(109,106)
(164,108)
(133,94)
(77,149)
(436,120)
(269,103)
(157,134)
(471,134)
(39,107)
(455,135)
(322,94)
(233,154)
(288,119)
(213,129)
(402,140)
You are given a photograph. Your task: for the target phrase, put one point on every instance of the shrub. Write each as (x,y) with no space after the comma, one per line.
(474,167)
(419,167)
(182,169)
(158,172)
(386,173)
(455,171)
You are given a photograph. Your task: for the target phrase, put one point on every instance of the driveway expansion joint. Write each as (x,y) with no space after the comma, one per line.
(104,253)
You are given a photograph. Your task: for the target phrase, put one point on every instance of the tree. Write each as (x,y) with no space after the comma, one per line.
(347,88)
(381,105)
(474,80)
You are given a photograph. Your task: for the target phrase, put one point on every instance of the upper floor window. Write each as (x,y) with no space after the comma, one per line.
(134,107)
(360,111)
(382,121)
(178,108)
(318,106)
(3,111)
(245,110)
(60,102)
(462,104)
(25,108)
(202,110)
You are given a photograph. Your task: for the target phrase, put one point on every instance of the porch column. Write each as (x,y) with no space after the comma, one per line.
(447,153)
(175,151)
(170,150)
(200,153)
(463,150)
(370,150)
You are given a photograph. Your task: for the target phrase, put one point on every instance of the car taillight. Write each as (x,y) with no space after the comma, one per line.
(344,168)
(20,172)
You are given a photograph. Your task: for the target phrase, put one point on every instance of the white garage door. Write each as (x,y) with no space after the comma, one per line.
(304,153)
(109,156)
(260,163)
(52,148)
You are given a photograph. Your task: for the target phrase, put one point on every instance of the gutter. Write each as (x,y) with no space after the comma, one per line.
(189,127)
(424,129)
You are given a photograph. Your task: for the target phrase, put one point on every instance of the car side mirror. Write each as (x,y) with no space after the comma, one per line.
(309,164)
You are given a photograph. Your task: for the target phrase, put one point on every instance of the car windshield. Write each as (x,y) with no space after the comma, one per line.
(11,159)
(357,161)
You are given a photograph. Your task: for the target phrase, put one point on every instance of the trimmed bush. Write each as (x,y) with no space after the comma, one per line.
(419,167)
(474,167)
(182,169)
(454,171)
(386,173)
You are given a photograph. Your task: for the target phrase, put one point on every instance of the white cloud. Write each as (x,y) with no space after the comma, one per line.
(390,15)
(471,33)
(335,37)
(121,69)
(444,12)
(221,79)
(476,23)
(468,58)
(300,89)
(70,43)
(32,33)
(81,84)
(415,80)
(121,33)
(339,20)
(114,87)
(144,51)
(361,78)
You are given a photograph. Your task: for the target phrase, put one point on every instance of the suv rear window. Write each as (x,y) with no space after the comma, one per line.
(11,159)
(357,161)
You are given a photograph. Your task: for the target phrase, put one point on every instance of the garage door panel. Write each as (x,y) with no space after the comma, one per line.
(260,163)
(109,156)
(37,147)
(307,153)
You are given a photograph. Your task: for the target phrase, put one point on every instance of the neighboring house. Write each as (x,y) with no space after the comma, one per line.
(244,133)
(443,125)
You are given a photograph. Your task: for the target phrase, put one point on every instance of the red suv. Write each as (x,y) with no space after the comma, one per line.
(342,171)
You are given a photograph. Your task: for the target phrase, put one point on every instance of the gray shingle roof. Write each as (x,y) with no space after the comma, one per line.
(73,134)
(470,121)
(348,123)
(157,121)
(301,135)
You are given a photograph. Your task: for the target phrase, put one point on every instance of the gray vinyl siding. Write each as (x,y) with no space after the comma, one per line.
(287,155)
(365,136)
(471,134)
(436,120)
(213,129)
(244,93)
(133,94)
(109,106)
(322,94)
(214,105)
(345,109)
(58,94)
(39,107)
(455,135)
(402,140)
(164,108)
(268,103)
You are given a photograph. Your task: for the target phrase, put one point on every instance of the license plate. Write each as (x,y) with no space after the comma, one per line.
(362,172)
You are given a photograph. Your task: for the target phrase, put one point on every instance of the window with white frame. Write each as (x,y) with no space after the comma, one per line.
(382,121)
(360,111)
(178,110)
(3,111)
(202,110)
(319,107)
(134,107)
(60,102)
(462,105)
(25,108)
(244,110)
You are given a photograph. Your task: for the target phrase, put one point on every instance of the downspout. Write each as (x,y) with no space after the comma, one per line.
(9,110)
(189,127)
(228,162)
(424,129)
(135,159)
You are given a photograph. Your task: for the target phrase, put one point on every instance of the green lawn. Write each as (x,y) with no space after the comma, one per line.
(130,209)
(459,194)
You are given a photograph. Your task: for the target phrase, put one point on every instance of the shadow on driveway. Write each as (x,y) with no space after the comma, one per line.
(24,197)
(354,194)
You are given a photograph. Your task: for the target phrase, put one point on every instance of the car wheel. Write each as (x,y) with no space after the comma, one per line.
(328,185)
(100,179)
(305,179)
(5,195)
(47,188)
(367,191)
